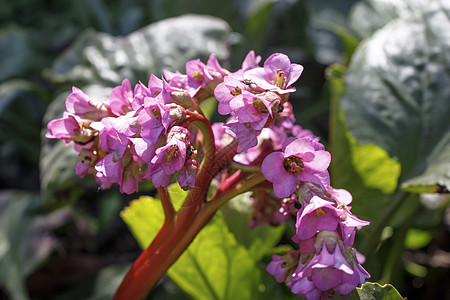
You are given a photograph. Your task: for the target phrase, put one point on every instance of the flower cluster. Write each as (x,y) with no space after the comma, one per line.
(325,263)
(149,132)
(135,134)
(254,96)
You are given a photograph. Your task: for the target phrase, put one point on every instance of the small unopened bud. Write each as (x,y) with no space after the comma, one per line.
(182,98)
(176,112)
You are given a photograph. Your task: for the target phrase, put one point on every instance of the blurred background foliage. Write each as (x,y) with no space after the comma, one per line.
(62,238)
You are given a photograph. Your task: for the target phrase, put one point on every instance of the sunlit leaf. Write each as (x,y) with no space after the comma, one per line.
(24,240)
(215,266)
(398,86)
(368,16)
(365,170)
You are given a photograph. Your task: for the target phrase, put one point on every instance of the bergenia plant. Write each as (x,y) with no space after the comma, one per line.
(159,133)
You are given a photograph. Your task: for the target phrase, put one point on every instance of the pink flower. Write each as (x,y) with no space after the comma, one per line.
(300,160)
(121,98)
(304,286)
(63,128)
(87,159)
(319,214)
(172,156)
(277,75)
(80,104)
(244,133)
(201,75)
(283,266)
(251,61)
(114,133)
(150,119)
(109,170)
(186,176)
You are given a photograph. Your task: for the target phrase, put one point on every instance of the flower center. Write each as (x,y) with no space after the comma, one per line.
(293,164)
(171,152)
(237,91)
(259,106)
(281,79)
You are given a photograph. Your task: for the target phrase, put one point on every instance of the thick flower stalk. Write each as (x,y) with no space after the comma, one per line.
(158,132)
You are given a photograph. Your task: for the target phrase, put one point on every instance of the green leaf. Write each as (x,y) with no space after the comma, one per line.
(364,170)
(209,107)
(17,54)
(417,238)
(103,59)
(145,216)
(398,86)
(100,286)
(215,266)
(260,240)
(24,240)
(372,291)
(366,17)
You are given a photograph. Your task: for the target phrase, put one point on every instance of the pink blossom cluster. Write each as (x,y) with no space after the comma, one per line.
(148,133)
(141,133)
(325,262)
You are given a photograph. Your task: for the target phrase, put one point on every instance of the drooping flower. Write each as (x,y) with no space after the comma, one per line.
(330,268)
(172,156)
(186,176)
(281,267)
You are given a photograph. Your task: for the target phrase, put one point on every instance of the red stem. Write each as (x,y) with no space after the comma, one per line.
(178,232)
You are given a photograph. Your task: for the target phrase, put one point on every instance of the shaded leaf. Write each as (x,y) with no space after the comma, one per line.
(168,44)
(24,240)
(100,286)
(259,240)
(398,86)
(368,16)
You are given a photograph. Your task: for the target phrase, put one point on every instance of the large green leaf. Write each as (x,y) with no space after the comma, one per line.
(365,170)
(368,16)
(168,44)
(215,266)
(398,86)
